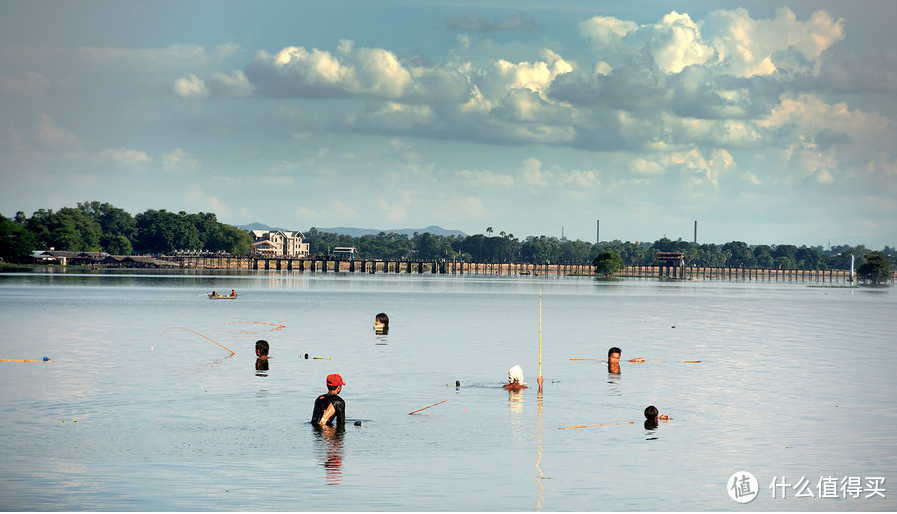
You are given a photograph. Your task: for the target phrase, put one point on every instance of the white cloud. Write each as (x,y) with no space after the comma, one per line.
(179,161)
(644,167)
(580,179)
(486,178)
(605,30)
(677,43)
(199,200)
(191,87)
(710,170)
(394,212)
(51,134)
(297,72)
(397,116)
(748,47)
(810,114)
(533,174)
(533,76)
(124,157)
(234,85)
(381,74)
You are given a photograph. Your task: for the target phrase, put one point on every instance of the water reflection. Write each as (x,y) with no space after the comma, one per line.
(650,427)
(515,400)
(261,367)
(540,431)
(330,440)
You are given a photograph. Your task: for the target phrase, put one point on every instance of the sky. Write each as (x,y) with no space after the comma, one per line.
(766,122)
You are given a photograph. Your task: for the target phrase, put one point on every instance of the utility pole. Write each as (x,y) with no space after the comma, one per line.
(696,231)
(597,232)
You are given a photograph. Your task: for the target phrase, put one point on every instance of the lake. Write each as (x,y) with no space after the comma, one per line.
(139,411)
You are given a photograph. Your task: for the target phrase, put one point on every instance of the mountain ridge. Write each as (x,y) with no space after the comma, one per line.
(358,232)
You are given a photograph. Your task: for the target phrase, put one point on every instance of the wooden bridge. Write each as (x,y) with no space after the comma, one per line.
(376,266)
(671,268)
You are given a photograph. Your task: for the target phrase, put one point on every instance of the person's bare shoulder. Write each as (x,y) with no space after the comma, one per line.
(637,359)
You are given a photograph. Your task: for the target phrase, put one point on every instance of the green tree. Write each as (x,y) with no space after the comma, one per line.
(607,263)
(116,244)
(876,269)
(16,242)
(67,229)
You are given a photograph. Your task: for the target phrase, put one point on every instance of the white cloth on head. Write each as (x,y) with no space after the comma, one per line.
(515,373)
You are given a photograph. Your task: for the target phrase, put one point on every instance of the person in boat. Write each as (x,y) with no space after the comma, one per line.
(214,293)
(652,418)
(233,292)
(613,360)
(261,355)
(381,324)
(515,379)
(329,407)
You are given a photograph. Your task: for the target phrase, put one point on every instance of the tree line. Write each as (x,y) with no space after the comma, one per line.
(552,250)
(102,227)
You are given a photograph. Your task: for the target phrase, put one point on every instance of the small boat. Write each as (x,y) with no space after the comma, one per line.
(215,296)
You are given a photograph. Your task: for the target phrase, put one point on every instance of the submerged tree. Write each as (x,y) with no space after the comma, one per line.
(607,263)
(876,269)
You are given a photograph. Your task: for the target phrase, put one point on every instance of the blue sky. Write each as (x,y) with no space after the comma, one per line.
(767,122)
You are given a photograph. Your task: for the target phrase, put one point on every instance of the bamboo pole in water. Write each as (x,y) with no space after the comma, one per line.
(200,335)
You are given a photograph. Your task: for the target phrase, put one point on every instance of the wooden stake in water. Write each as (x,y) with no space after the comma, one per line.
(539,380)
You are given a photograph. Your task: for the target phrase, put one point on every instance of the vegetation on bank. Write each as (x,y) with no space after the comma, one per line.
(101,227)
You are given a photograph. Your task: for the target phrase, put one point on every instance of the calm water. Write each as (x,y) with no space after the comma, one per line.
(794,381)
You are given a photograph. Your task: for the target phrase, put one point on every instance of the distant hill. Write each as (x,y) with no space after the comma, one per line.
(261,226)
(358,232)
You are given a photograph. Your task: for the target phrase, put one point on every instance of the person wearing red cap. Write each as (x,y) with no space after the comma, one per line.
(330,407)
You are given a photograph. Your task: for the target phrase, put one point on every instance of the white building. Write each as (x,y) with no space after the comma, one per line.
(279,243)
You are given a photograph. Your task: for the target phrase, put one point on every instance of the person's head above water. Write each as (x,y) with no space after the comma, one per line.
(651,412)
(334,382)
(381,320)
(261,348)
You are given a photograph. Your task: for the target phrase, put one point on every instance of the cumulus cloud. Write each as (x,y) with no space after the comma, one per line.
(191,87)
(644,167)
(179,161)
(605,30)
(515,22)
(677,44)
(748,47)
(532,173)
(486,178)
(298,72)
(234,85)
(125,157)
(51,134)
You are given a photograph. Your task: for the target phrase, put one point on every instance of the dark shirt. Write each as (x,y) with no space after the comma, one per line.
(322,405)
